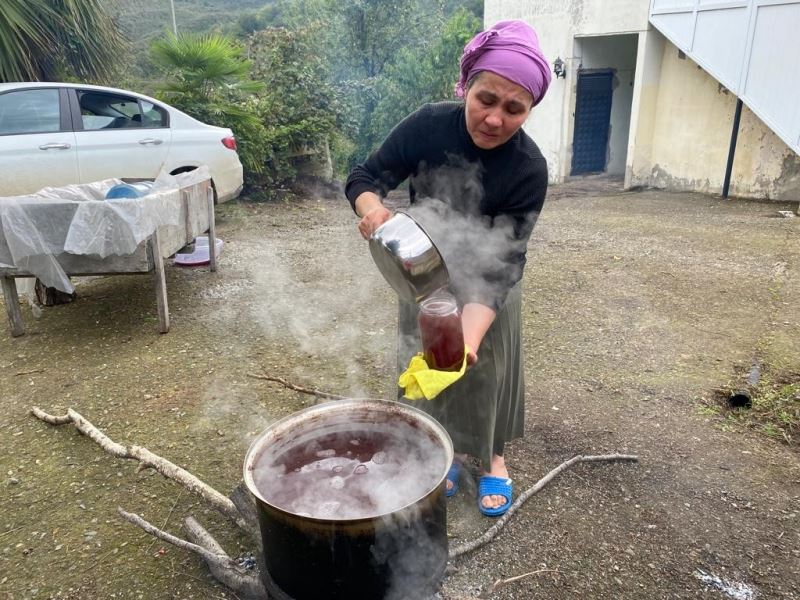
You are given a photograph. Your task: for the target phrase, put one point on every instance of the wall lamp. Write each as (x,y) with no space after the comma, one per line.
(560,68)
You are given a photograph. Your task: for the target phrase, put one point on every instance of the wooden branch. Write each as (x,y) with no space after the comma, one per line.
(225,570)
(298,388)
(492,532)
(223,560)
(168,469)
(32,371)
(241,581)
(47,418)
(501,582)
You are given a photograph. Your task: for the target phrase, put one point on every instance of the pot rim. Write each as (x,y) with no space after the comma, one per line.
(258,443)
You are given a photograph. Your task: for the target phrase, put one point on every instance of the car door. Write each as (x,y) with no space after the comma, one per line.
(119,136)
(37,144)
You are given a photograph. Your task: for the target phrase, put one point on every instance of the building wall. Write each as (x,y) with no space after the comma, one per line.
(680,120)
(558,22)
(649,57)
(688,117)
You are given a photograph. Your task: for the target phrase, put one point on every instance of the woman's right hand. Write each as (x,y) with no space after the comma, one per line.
(373,213)
(372,220)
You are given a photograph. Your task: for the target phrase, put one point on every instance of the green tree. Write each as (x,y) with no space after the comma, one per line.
(421,75)
(359,39)
(46,40)
(300,110)
(199,65)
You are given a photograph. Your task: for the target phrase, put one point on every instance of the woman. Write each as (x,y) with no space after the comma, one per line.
(485,180)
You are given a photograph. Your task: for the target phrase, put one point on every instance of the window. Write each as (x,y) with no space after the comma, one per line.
(30,111)
(101,110)
(152,115)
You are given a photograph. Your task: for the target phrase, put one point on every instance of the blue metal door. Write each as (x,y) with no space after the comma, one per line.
(592,121)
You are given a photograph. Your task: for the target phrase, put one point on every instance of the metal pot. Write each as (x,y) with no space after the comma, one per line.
(408,258)
(399,554)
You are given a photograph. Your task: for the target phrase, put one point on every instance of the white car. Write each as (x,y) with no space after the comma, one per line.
(54,134)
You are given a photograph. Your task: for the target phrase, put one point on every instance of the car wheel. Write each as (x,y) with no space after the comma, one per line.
(187,169)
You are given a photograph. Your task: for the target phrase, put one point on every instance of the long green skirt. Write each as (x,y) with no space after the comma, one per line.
(486,407)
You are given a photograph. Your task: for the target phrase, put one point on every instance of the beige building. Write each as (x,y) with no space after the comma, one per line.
(633,99)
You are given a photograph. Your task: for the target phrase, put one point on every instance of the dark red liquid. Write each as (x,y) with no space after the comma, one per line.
(350,475)
(442,339)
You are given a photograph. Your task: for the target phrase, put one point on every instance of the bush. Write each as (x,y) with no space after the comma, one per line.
(298,109)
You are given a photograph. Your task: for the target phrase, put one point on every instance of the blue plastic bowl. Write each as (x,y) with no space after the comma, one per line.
(129,190)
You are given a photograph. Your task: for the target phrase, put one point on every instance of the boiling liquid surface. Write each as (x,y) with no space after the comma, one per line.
(351,474)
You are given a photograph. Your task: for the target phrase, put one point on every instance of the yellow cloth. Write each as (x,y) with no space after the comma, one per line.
(420,381)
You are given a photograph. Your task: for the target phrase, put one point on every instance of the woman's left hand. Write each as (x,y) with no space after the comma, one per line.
(472,357)
(475,322)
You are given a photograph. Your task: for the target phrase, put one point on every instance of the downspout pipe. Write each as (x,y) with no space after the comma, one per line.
(732,150)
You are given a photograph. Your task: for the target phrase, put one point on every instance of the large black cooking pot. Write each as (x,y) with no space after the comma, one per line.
(390,540)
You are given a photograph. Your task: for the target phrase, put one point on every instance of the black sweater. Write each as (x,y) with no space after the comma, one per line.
(479,206)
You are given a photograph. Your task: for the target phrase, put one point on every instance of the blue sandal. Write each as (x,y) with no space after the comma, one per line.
(453,476)
(488,485)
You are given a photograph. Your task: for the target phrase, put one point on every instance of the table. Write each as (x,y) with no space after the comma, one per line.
(73,231)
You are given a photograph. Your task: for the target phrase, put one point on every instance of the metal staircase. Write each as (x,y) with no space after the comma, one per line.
(752,47)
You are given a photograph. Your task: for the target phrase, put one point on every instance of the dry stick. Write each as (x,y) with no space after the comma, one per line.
(23,526)
(490,533)
(305,390)
(298,388)
(168,469)
(171,510)
(501,582)
(240,580)
(221,560)
(219,563)
(29,372)
(53,420)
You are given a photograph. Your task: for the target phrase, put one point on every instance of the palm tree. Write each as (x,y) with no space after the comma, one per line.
(206,76)
(43,40)
(200,64)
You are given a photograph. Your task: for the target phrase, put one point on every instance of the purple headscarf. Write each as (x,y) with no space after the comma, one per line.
(509,49)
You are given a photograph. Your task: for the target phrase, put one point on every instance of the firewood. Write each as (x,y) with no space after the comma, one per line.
(241,509)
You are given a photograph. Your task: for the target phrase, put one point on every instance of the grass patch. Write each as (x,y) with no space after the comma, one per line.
(775,409)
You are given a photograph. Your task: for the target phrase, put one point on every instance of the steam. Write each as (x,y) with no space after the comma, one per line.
(352,477)
(414,553)
(483,254)
(330,316)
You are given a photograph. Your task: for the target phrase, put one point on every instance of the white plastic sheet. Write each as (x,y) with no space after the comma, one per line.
(77,219)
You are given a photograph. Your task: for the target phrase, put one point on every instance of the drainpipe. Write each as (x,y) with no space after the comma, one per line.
(732,150)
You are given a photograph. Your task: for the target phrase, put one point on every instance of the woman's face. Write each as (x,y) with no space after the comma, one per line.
(496,108)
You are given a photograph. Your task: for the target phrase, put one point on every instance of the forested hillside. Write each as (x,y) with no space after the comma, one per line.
(321,77)
(143,20)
